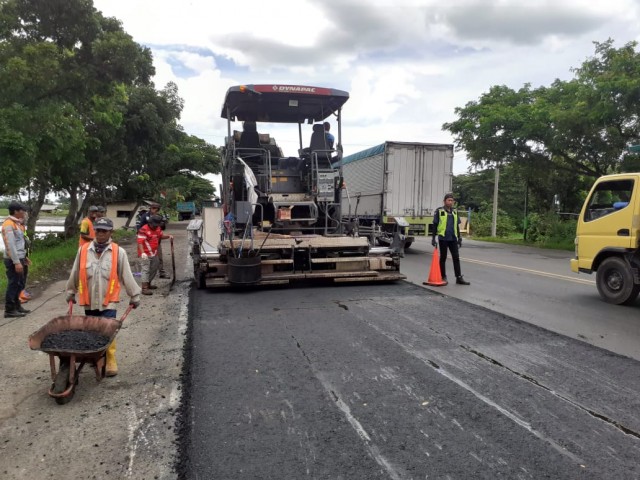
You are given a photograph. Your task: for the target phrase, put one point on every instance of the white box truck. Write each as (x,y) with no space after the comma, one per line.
(396,184)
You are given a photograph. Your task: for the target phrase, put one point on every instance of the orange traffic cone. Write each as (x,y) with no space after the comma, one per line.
(435,277)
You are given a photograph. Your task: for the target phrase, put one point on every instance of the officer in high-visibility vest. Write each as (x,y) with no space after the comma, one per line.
(446,226)
(100,269)
(16,261)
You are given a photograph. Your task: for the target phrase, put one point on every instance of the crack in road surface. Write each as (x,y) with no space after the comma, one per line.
(503,410)
(427,361)
(373,449)
(600,416)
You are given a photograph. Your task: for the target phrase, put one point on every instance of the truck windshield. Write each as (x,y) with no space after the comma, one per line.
(608,197)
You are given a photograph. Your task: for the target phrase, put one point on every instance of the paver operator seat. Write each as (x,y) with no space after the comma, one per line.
(249,147)
(320,146)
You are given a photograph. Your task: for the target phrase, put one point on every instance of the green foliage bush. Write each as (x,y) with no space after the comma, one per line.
(481,223)
(121,234)
(47,241)
(549,228)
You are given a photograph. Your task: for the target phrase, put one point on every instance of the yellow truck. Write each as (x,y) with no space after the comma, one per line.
(607,237)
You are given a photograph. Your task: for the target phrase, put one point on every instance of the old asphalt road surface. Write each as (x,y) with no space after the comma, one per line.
(123,427)
(398,382)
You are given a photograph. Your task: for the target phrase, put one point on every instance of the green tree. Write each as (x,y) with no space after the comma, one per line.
(79,113)
(59,56)
(561,135)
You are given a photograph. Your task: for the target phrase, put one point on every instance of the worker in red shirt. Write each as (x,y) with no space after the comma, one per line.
(149,237)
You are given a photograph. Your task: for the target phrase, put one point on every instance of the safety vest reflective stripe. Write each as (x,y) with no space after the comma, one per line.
(113,289)
(91,232)
(442,222)
(148,240)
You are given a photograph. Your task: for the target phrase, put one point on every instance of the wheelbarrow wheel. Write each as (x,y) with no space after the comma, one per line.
(61,383)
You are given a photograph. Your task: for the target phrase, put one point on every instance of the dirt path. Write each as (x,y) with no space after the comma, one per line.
(122,427)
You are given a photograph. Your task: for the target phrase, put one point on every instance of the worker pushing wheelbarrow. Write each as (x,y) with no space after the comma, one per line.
(76,340)
(101,269)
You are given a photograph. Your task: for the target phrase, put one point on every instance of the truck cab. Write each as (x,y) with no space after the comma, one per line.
(607,237)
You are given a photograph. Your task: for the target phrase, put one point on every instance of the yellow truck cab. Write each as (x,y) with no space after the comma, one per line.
(607,237)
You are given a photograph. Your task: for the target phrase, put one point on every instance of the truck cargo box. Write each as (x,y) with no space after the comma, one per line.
(397,179)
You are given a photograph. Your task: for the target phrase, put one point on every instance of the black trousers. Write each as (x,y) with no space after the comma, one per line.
(455,256)
(15,283)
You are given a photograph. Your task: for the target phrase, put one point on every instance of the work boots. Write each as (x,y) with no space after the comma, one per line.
(145,289)
(21,309)
(10,311)
(111,369)
(461,281)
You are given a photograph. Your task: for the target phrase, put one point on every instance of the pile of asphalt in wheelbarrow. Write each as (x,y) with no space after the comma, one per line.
(75,340)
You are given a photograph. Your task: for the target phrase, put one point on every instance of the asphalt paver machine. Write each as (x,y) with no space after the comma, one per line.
(279,217)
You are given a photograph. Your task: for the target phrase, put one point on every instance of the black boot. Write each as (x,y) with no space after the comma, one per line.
(11,312)
(21,309)
(461,281)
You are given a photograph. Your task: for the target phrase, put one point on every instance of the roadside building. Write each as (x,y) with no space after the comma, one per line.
(48,209)
(120,212)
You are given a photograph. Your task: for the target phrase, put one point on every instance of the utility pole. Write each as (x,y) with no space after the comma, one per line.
(494,220)
(525,223)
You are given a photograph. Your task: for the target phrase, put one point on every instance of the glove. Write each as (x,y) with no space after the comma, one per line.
(71,297)
(134,304)
(144,256)
(433,242)
(459,242)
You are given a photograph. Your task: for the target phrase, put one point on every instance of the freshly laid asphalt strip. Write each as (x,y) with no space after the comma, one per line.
(394,381)
(75,340)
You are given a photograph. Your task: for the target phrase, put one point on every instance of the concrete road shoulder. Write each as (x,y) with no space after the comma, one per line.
(121,427)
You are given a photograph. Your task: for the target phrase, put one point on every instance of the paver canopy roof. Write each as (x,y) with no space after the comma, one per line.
(282,103)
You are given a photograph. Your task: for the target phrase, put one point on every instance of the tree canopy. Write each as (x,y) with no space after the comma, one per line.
(79,113)
(558,138)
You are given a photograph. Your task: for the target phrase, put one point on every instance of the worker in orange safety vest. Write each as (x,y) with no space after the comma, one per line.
(87,233)
(100,269)
(16,261)
(149,237)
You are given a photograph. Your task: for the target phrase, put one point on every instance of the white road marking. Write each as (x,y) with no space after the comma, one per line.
(506,413)
(132,444)
(528,270)
(357,426)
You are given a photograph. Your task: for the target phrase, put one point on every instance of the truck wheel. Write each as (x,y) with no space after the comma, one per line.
(407,244)
(615,282)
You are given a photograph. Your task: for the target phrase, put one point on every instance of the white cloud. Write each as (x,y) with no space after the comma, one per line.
(406,63)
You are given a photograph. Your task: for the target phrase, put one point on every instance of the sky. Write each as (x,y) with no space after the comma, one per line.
(407,64)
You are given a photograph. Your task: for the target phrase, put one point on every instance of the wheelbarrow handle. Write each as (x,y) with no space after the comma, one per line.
(126,313)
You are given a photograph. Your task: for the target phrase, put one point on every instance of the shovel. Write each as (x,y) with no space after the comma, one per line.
(173,266)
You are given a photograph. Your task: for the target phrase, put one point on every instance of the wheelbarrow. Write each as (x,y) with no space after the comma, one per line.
(65,379)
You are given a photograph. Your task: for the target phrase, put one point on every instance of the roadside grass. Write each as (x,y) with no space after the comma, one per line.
(123,235)
(60,213)
(52,262)
(564,244)
(47,263)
